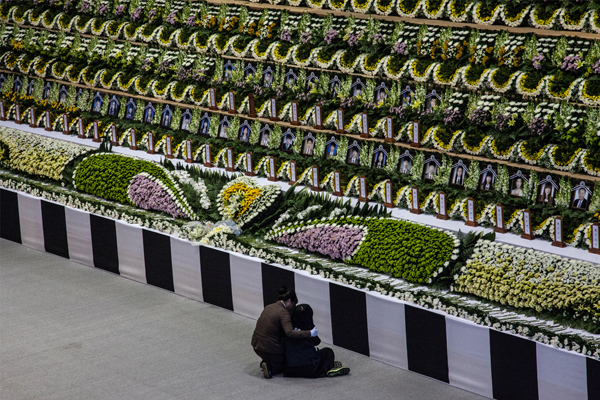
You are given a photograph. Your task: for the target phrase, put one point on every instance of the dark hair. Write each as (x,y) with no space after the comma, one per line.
(286,294)
(302,317)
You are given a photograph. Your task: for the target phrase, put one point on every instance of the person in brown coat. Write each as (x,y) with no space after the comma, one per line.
(273,325)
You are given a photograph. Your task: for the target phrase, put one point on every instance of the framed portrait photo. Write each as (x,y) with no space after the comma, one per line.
(405,163)
(487,179)
(308,145)
(287,141)
(380,155)
(186,120)
(204,124)
(265,135)
(547,189)
(581,196)
(430,170)
(245,132)
(458,174)
(353,155)
(518,182)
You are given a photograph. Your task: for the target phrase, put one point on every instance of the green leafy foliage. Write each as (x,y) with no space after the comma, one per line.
(403,249)
(108,175)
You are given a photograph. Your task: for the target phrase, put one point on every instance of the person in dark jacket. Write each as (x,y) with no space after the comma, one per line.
(303,358)
(272,326)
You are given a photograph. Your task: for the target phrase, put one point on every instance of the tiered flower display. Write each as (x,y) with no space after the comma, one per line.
(499,116)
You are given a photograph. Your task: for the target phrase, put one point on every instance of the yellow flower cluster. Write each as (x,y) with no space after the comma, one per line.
(240,191)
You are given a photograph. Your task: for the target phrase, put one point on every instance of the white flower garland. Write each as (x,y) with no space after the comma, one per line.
(517,21)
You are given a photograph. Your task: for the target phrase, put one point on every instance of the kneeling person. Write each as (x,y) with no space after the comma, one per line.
(303,358)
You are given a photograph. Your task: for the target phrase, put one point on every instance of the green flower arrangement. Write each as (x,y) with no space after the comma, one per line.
(233,128)
(254,132)
(275,137)
(473,177)
(402,249)
(416,171)
(109,175)
(139,111)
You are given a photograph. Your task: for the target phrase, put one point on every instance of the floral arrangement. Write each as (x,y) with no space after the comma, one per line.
(380,244)
(37,155)
(525,278)
(242,200)
(333,240)
(110,176)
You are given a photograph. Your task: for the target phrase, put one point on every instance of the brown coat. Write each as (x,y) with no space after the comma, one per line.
(272,326)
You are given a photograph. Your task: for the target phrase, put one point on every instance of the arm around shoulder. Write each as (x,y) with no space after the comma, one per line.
(286,324)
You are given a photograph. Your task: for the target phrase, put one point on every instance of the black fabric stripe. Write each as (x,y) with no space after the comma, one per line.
(349,318)
(10,226)
(216,277)
(426,345)
(514,367)
(157,258)
(593,378)
(55,229)
(274,278)
(104,243)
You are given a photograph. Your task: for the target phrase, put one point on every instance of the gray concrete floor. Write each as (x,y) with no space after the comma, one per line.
(68,331)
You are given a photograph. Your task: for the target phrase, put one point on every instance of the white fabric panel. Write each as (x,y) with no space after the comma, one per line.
(30,216)
(79,236)
(185,260)
(130,248)
(314,290)
(387,330)
(246,285)
(469,361)
(561,374)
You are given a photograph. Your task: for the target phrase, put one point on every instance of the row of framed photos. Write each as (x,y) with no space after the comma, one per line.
(291,78)
(433,99)
(547,189)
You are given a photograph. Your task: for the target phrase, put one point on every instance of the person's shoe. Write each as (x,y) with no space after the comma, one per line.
(337,364)
(338,372)
(266,368)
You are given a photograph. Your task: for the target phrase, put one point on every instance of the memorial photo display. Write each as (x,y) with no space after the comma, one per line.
(353,156)
(245,132)
(458,174)
(308,145)
(487,179)
(331,148)
(431,168)
(581,195)
(204,124)
(149,113)
(287,141)
(518,182)
(380,157)
(265,135)
(405,163)
(130,108)
(547,189)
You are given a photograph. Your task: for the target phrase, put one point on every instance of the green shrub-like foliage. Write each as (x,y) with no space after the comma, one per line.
(403,249)
(108,175)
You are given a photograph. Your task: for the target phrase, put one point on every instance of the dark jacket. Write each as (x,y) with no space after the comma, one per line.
(272,326)
(301,352)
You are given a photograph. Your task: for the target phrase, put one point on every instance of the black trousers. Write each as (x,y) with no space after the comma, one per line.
(318,370)
(275,361)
